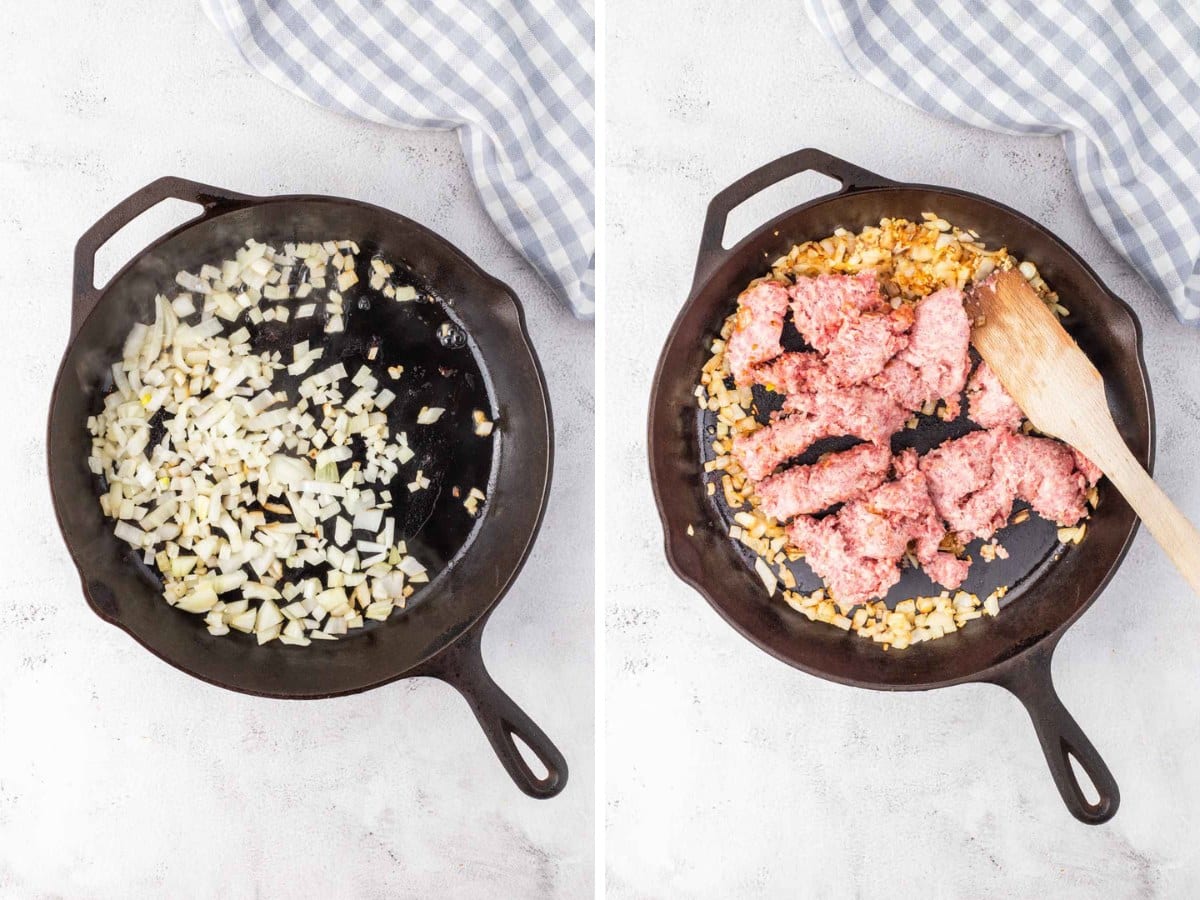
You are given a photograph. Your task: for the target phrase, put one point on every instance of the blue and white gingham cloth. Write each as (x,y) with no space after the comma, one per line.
(514,77)
(1119,80)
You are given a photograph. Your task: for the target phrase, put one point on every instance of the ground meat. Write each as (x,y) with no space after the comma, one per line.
(946,569)
(935,362)
(850,577)
(970,493)
(866,343)
(937,347)
(756,329)
(903,383)
(834,478)
(906,506)
(821,305)
(1048,477)
(988,403)
(796,373)
(848,321)
(858,550)
(974,480)
(860,412)
(1090,470)
(762,451)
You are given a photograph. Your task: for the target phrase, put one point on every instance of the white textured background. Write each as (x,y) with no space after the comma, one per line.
(122,778)
(732,775)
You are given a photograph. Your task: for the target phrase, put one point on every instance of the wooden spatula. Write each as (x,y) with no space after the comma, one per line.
(1062,393)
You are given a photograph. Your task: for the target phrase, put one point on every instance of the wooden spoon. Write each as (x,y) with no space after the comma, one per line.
(1061,392)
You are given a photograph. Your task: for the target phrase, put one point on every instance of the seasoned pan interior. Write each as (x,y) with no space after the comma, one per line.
(461,348)
(1048,585)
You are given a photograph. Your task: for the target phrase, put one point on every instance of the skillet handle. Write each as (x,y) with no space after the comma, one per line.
(712,250)
(461,666)
(1061,737)
(86,294)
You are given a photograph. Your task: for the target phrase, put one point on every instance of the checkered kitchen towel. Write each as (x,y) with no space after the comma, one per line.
(514,77)
(1120,81)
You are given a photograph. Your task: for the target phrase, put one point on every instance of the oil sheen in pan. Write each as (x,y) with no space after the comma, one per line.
(1031,544)
(441,369)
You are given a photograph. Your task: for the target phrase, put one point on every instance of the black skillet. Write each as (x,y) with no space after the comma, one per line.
(1050,586)
(463,346)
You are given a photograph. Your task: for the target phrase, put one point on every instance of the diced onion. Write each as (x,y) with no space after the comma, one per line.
(232,492)
(429,414)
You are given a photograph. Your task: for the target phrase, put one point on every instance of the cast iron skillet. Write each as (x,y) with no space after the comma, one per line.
(484,361)
(1049,587)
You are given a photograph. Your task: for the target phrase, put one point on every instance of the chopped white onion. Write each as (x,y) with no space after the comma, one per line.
(244,473)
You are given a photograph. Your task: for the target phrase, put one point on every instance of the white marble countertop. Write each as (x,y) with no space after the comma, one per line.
(121,777)
(732,775)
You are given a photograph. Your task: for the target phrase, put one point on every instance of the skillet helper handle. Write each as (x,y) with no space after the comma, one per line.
(1062,738)
(712,249)
(86,294)
(461,666)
